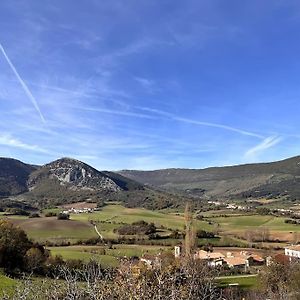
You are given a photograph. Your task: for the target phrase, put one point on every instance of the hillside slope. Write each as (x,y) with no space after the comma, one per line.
(68,180)
(13,176)
(274,179)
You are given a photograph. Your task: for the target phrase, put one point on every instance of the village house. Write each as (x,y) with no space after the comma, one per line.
(292,251)
(213,259)
(237,260)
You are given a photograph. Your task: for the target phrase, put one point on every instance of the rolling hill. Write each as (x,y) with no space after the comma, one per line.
(13,176)
(275,179)
(68,180)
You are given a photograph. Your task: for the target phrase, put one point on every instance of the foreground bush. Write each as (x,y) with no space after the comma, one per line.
(188,281)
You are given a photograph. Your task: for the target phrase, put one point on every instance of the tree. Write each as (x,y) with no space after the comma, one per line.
(63,216)
(35,258)
(14,244)
(189,231)
(281,281)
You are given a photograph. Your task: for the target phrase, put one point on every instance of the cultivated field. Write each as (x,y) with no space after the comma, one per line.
(113,216)
(107,257)
(280,230)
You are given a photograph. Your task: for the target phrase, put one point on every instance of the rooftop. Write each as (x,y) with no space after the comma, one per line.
(235,261)
(293,247)
(209,255)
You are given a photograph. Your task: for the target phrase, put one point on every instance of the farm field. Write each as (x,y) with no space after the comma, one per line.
(112,216)
(243,281)
(107,257)
(121,214)
(232,224)
(50,229)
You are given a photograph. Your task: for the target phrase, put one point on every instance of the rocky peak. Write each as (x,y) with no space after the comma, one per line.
(75,175)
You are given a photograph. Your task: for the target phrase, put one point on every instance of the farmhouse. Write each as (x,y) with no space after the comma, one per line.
(213,258)
(292,251)
(240,260)
(236,262)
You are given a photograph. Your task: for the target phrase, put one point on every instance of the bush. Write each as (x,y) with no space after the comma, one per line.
(34,215)
(16,250)
(204,234)
(16,211)
(50,214)
(289,221)
(140,227)
(63,216)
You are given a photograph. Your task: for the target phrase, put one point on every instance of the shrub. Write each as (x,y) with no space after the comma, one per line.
(34,215)
(50,214)
(16,211)
(204,234)
(63,216)
(140,227)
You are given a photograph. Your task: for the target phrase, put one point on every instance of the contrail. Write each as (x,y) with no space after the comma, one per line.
(24,86)
(200,123)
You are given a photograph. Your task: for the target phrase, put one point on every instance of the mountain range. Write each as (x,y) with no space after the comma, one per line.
(279,179)
(69,180)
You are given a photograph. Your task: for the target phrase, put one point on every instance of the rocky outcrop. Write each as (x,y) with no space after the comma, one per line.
(73,174)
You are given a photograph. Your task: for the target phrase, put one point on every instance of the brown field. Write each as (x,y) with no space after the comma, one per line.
(52,229)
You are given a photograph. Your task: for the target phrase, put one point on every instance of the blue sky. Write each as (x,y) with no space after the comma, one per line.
(150,84)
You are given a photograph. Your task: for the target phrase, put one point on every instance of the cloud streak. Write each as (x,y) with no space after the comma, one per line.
(8,140)
(118,112)
(200,123)
(23,84)
(264,145)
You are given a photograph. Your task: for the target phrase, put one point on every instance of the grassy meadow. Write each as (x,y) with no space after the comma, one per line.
(6,284)
(112,216)
(107,257)
(243,281)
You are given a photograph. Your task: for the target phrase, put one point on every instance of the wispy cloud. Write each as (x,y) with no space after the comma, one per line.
(118,112)
(264,145)
(200,123)
(148,84)
(23,84)
(170,117)
(8,140)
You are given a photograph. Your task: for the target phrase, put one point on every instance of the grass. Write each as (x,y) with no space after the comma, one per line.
(223,241)
(107,257)
(120,214)
(237,223)
(109,218)
(74,252)
(6,284)
(51,229)
(113,216)
(243,281)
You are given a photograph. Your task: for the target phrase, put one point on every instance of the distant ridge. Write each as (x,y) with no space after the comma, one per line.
(272,179)
(68,180)
(13,176)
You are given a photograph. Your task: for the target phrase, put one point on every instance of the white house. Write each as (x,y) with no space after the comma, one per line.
(292,251)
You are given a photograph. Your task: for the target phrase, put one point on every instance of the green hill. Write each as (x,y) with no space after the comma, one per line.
(275,179)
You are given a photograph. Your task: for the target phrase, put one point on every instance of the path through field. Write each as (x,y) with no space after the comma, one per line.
(96,229)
